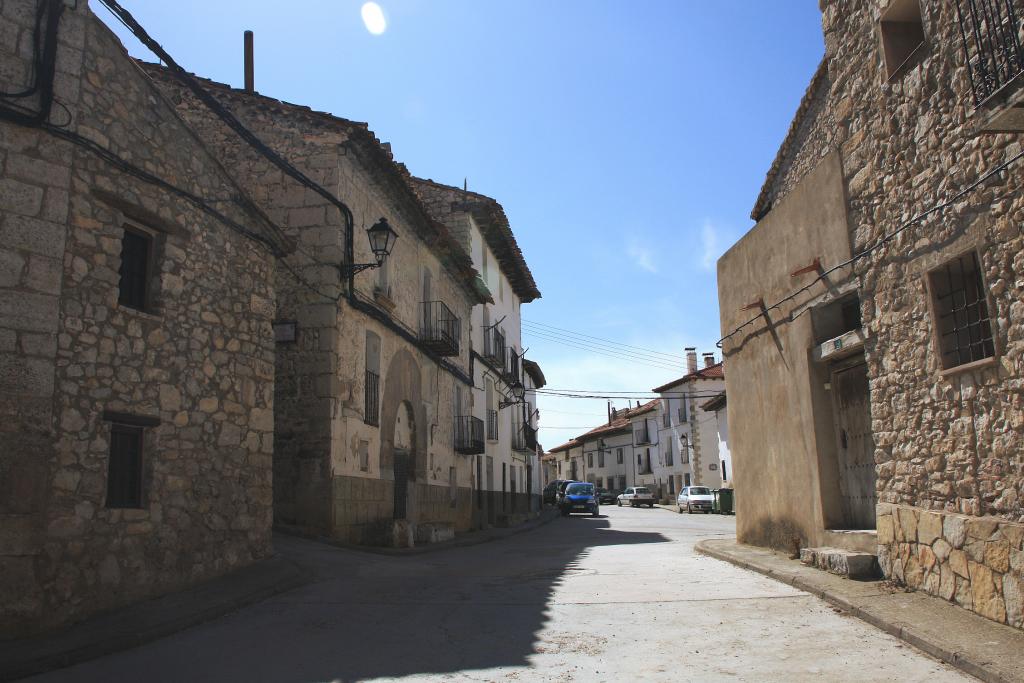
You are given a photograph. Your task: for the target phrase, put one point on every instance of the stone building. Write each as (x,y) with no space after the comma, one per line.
(136,357)
(375,400)
(505,468)
(872,318)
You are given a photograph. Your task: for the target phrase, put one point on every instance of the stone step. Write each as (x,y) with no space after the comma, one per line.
(849,563)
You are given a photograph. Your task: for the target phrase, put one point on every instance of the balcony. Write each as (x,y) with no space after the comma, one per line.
(494,346)
(990,32)
(512,372)
(531,437)
(440,330)
(518,437)
(492,425)
(642,434)
(371,399)
(469,435)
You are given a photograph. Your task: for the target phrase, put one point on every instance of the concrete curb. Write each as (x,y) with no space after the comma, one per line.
(961,660)
(466,540)
(141,623)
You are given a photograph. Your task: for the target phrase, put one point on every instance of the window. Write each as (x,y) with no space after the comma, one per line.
(902,35)
(600,458)
(686,479)
(364,456)
(622,482)
(136,250)
(668,454)
(684,450)
(618,456)
(666,413)
(671,485)
(371,390)
(492,413)
(590,460)
(962,326)
(124,470)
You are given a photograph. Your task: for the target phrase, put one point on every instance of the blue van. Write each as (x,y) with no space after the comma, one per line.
(579,497)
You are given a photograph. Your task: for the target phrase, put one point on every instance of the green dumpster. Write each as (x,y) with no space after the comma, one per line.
(716,507)
(724,502)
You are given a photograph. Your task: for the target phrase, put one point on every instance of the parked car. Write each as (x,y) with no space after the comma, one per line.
(695,498)
(606,496)
(553,491)
(579,497)
(635,496)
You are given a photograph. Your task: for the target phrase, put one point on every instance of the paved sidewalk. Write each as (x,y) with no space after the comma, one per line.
(982,648)
(150,620)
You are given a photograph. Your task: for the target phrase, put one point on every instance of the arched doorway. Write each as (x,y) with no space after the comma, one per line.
(403,440)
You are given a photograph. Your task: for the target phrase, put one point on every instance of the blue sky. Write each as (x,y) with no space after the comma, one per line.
(627,141)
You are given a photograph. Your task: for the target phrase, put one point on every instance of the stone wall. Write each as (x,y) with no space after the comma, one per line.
(197,365)
(948,443)
(326,450)
(976,562)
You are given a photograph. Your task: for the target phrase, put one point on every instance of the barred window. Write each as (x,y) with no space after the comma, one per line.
(124,469)
(963,327)
(136,248)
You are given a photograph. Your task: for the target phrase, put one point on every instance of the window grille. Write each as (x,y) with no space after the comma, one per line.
(371,411)
(961,312)
(492,425)
(124,470)
(134,271)
(990,33)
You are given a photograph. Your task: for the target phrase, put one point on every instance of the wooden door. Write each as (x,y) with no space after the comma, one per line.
(855,446)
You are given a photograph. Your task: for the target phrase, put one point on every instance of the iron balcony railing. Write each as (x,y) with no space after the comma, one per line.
(519,437)
(991,35)
(512,369)
(469,435)
(531,437)
(642,433)
(492,425)
(440,329)
(371,408)
(494,346)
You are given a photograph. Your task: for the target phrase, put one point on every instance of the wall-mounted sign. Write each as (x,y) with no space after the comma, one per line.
(713,466)
(837,343)
(286,331)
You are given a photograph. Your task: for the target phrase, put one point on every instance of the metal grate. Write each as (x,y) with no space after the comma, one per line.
(990,32)
(440,329)
(371,411)
(961,311)
(494,346)
(469,435)
(492,425)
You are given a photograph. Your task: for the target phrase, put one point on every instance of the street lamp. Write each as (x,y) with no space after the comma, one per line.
(382,240)
(518,392)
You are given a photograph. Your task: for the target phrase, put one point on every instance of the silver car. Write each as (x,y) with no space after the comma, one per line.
(636,496)
(695,498)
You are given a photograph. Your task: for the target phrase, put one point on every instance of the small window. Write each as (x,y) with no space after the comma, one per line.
(371,387)
(124,470)
(136,249)
(618,456)
(902,35)
(960,307)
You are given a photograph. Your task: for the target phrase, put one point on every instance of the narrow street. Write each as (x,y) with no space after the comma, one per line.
(623,596)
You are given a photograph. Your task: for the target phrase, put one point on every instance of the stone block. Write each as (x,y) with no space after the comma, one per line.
(855,565)
(942,549)
(11,267)
(929,527)
(984,594)
(981,528)
(434,532)
(954,530)
(28,311)
(20,198)
(21,376)
(997,556)
(884,526)
(1013,590)
(908,522)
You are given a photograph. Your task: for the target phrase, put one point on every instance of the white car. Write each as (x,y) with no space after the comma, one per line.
(636,496)
(695,498)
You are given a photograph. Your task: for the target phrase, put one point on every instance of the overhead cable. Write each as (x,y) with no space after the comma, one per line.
(669,356)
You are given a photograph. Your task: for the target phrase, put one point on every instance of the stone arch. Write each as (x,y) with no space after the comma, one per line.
(402,385)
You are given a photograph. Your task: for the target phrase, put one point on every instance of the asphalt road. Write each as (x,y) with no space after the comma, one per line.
(619,597)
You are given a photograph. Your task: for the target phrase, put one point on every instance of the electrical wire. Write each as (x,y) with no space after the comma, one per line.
(675,363)
(885,239)
(671,356)
(601,352)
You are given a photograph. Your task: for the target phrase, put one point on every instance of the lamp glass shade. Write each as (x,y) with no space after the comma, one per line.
(382,239)
(518,391)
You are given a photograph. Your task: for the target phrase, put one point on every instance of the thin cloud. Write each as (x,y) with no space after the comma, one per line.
(711,243)
(642,257)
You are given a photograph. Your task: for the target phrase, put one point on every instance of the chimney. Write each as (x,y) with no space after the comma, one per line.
(709,360)
(691,359)
(250,79)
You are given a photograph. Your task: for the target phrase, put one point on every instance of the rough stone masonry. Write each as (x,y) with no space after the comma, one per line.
(191,369)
